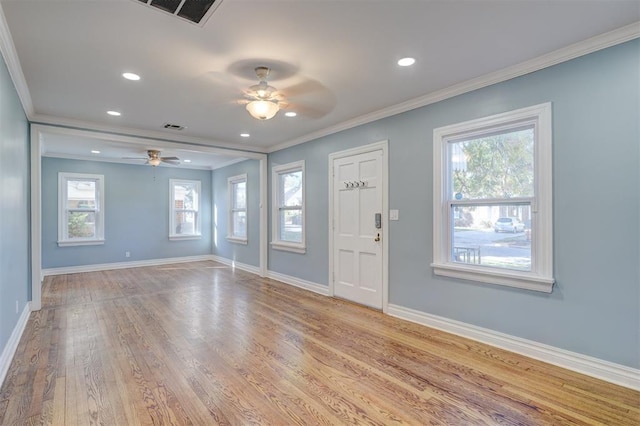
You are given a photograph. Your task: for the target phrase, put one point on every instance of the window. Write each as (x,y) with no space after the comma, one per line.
(288,207)
(492,200)
(185,208)
(80,209)
(237,189)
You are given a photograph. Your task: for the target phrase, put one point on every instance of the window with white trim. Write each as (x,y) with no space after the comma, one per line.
(184,211)
(288,207)
(80,209)
(237,190)
(492,199)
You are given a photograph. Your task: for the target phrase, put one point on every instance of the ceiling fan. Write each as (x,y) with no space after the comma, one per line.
(264,101)
(301,96)
(154,158)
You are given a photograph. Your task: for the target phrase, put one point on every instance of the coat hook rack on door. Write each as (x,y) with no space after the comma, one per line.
(356,184)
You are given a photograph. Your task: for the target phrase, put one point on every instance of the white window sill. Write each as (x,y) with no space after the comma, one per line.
(237,240)
(71,243)
(515,279)
(184,237)
(292,247)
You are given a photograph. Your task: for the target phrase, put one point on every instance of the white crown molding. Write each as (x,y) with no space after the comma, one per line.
(231,162)
(118,161)
(139,133)
(593,44)
(44,129)
(129,162)
(594,367)
(12,345)
(590,45)
(8,50)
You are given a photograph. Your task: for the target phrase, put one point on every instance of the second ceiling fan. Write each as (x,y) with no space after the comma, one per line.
(154,159)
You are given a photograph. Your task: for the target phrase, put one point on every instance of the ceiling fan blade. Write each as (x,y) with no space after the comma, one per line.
(304,88)
(134,158)
(169,158)
(316,111)
(223,79)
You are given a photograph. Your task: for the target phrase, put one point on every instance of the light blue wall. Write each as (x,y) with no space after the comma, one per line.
(136,214)
(594,308)
(14,207)
(250,253)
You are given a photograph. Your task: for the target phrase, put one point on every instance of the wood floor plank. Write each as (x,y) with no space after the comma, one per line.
(204,344)
(59,402)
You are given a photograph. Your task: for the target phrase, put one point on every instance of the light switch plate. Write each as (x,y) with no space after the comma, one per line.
(394,214)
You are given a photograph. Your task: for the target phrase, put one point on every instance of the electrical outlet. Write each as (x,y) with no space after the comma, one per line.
(127,254)
(17,307)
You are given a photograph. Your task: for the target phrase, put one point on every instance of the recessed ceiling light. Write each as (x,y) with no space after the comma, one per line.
(406,62)
(131,76)
(290,114)
(245,135)
(114,113)
(95,151)
(186,161)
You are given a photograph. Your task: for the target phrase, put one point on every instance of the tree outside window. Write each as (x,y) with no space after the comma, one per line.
(492,199)
(288,207)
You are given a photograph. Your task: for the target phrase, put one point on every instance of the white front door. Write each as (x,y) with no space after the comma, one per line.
(357,239)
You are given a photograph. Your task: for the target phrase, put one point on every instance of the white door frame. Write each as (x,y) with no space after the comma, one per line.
(384,146)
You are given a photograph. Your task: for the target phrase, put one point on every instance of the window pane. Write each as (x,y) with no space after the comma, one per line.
(239,195)
(494,166)
(291,189)
(81,224)
(492,235)
(185,196)
(81,194)
(185,223)
(291,225)
(240,224)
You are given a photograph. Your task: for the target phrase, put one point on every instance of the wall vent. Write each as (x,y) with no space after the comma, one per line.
(172,126)
(195,11)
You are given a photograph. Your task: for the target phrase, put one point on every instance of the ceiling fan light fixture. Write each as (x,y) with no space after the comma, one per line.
(263,110)
(154,161)
(263,91)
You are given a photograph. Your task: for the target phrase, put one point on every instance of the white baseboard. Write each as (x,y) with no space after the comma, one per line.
(11,346)
(242,266)
(594,367)
(298,282)
(123,265)
(287,279)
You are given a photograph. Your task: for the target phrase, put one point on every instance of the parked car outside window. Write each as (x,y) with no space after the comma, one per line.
(508,224)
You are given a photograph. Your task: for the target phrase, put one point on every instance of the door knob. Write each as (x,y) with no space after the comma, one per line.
(377,238)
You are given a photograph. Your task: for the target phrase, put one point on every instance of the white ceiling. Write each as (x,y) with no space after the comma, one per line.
(334,60)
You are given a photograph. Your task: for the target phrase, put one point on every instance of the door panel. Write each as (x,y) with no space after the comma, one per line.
(357,197)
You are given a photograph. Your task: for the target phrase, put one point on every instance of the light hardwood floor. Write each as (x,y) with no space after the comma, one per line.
(201,344)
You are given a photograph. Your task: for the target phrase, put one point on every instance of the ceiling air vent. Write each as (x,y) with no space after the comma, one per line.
(196,11)
(172,126)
